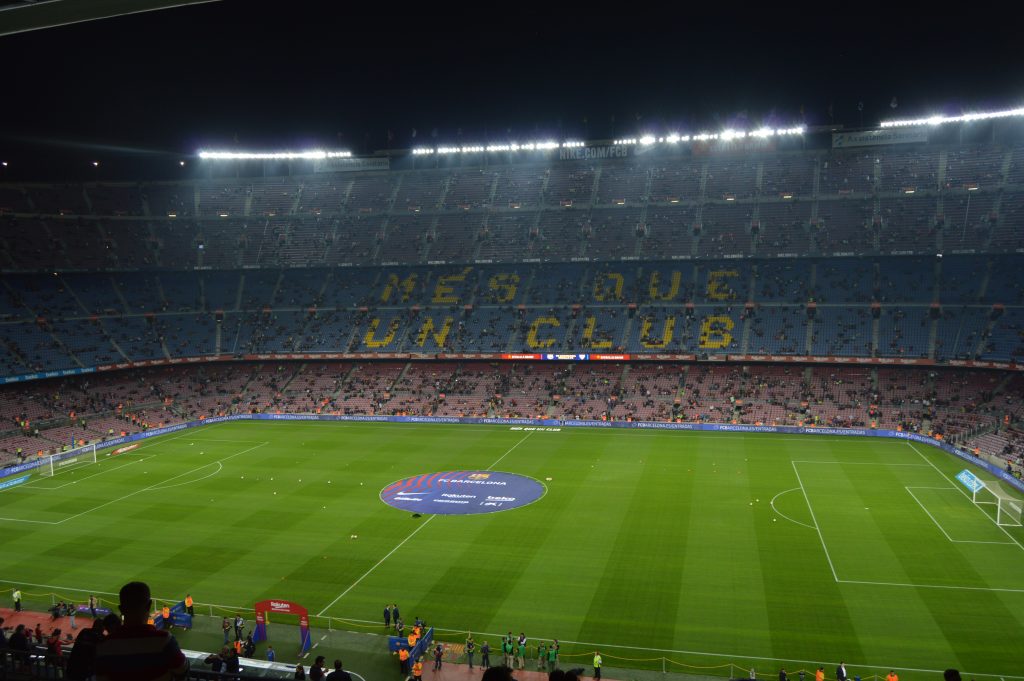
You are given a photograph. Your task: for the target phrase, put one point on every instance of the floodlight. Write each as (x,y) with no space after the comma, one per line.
(647,139)
(311,155)
(965,118)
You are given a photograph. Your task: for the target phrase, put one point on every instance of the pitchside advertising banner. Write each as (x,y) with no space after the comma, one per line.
(521,356)
(350,165)
(528,424)
(870,138)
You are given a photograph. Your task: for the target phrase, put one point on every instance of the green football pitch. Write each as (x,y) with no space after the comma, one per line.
(702,548)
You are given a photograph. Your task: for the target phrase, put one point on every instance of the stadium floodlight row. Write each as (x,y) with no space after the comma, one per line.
(310,155)
(965,118)
(646,139)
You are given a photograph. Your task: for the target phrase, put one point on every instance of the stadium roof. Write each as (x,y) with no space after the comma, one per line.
(29,15)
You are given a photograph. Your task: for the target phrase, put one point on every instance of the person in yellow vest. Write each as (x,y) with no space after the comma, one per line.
(166,613)
(412,640)
(403,661)
(597,665)
(417,669)
(188,605)
(892,676)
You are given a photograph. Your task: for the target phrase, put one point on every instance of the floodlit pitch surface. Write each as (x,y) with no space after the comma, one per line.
(761,550)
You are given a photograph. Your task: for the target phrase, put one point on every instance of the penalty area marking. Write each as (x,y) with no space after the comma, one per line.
(946,478)
(941,528)
(772,504)
(158,486)
(36,485)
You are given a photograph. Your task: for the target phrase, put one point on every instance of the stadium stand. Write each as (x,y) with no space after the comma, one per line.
(826,253)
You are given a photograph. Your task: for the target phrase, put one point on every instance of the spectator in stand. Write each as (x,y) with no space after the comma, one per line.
(82,660)
(300,672)
(339,674)
(216,660)
(316,670)
(19,646)
(138,651)
(501,673)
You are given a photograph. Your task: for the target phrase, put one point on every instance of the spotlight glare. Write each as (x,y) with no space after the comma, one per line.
(965,118)
(309,155)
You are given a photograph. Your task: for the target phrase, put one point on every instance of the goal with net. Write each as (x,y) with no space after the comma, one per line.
(73,458)
(1007,508)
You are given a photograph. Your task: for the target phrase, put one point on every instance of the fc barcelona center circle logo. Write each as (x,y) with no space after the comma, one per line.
(462,492)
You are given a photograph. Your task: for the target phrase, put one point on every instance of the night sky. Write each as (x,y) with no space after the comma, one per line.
(342,75)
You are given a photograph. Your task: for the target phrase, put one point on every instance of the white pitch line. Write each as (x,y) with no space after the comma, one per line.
(220,467)
(66,484)
(601,646)
(598,646)
(234,442)
(937,470)
(772,504)
(933,586)
(941,528)
(159,440)
(866,463)
(954,541)
(367,573)
(411,535)
(37,522)
(510,450)
(815,520)
(156,486)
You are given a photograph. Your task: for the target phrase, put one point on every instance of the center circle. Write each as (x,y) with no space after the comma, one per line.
(462,492)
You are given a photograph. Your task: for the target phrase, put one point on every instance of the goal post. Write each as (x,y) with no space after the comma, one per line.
(1008,511)
(80,456)
(1007,508)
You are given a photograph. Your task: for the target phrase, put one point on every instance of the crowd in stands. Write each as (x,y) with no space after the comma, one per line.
(971,407)
(816,202)
(962,307)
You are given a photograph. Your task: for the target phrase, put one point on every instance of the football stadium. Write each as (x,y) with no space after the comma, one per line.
(734,401)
